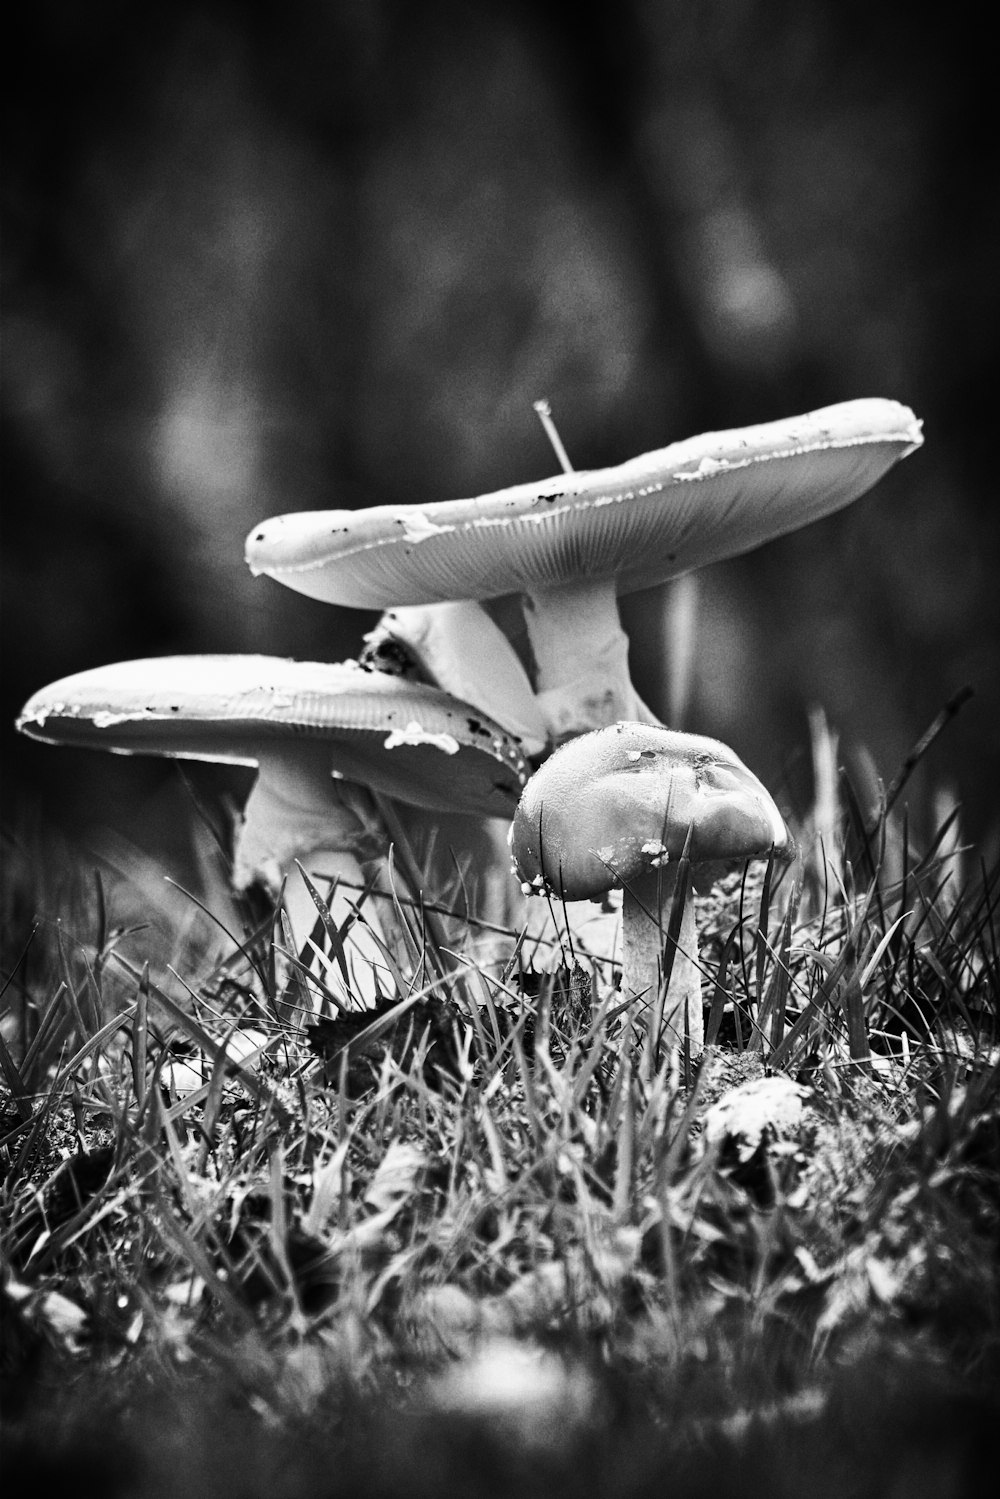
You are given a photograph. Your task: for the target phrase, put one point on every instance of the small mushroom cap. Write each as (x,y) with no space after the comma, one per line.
(405,739)
(645,521)
(610,806)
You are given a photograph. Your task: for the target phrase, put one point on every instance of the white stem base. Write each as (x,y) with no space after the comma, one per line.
(295,806)
(645,918)
(581,658)
(297,811)
(368,973)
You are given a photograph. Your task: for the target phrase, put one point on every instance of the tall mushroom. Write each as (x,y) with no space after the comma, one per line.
(318,734)
(618,806)
(572,543)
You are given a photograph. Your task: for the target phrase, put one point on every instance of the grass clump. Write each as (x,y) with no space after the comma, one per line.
(486,1238)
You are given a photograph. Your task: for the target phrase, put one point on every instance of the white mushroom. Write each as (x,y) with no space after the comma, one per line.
(319,734)
(618,806)
(571,544)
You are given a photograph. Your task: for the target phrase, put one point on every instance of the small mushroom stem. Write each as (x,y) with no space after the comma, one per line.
(646,907)
(581,658)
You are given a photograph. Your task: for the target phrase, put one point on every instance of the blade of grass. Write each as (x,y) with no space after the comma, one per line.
(140,1038)
(240,946)
(296,999)
(198,1034)
(334,935)
(411,872)
(720,993)
(781,981)
(678,901)
(760,936)
(15,1082)
(938,724)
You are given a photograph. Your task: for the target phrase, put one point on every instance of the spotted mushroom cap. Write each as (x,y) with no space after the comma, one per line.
(647,520)
(611,805)
(405,739)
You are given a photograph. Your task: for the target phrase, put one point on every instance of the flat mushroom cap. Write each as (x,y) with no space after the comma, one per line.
(611,805)
(405,739)
(647,520)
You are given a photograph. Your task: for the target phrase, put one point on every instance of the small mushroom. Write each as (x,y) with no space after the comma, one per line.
(619,806)
(571,544)
(318,733)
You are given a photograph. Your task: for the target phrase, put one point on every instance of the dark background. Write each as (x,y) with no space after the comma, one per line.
(301,255)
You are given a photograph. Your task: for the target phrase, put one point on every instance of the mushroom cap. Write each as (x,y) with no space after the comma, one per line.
(610,806)
(405,739)
(645,521)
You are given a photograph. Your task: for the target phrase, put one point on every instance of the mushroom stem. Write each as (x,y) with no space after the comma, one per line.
(295,807)
(646,907)
(581,658)
(370,978)
(297,811)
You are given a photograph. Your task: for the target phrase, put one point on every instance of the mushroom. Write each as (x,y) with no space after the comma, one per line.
(619,806)
(572,543)
(318,733)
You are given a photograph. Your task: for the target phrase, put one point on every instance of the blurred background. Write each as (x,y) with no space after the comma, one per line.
(280,257)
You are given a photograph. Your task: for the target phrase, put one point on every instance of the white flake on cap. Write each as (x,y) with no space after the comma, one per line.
(415,733)
(417,527)
(104,720)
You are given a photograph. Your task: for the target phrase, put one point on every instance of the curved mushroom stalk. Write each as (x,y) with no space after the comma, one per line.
(646,907)
(458,647)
